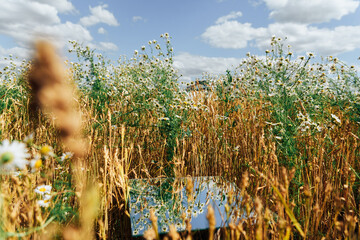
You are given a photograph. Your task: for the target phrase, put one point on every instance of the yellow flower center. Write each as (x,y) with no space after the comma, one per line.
(46,201)
(38,164)
(6,157)
(42,189)
(45,150)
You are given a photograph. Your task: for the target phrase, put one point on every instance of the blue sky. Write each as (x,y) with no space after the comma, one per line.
(207,35)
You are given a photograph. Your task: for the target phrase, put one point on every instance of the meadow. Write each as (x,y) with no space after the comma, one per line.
(285,130)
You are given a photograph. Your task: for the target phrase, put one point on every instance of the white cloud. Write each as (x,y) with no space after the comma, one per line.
(15,12)
(99,14)
(108,46)
(101,30)
(275,4)
(323,41)
(21,53)
(62,6)
(231,16)
(28,20)
(137,18)
(303,37)
(314,11)
(232,34)
(61,33)
(193,65)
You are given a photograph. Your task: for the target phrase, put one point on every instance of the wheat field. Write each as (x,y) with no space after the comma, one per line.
(285,130)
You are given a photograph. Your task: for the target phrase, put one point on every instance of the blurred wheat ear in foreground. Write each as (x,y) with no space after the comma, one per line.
(52,94)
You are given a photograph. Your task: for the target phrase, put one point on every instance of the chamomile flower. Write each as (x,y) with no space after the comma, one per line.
(13,155)
(17,174)
(66,156)
(43,189)
(164,119)
(45,202)
(46,150)
(35,164)
(29,139)
(336,118)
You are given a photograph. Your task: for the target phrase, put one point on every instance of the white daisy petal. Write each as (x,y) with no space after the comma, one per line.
(43,203)
(13,155)
(66,156)
(43,189)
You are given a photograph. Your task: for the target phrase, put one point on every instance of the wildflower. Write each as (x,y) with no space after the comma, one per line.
(13,155)
(164,119)
(35,164)
(46,150)
(318,128)
(45,202)
(43,189)
(178,225)
(310,54)
(17,174)
(143,48)
(221,117)
(336,118)
(136,52)
(66,156)
(29,139)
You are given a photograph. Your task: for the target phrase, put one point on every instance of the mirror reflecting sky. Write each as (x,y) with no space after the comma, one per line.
(170,199)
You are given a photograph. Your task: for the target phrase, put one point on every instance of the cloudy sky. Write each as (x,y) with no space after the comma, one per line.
(207,35)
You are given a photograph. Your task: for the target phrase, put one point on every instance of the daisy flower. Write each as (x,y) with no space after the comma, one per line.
(13,155)
(43,189)
(164,119)
(66,156)
(35,164)
(29,139)
(17,174)
(45,202)
(46,150)
(336,118)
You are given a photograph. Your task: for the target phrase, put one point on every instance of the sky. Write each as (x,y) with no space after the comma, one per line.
(207,35)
